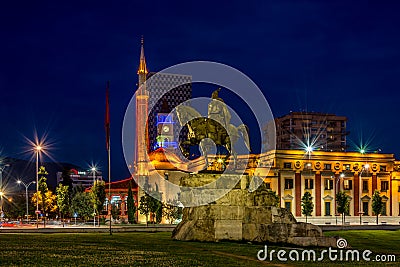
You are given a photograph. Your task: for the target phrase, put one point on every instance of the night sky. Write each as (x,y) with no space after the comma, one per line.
(328,56)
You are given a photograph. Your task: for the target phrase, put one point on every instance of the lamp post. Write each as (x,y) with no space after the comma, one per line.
(94,205)
(365,167)
(2,167)
(26,194)
(38,148)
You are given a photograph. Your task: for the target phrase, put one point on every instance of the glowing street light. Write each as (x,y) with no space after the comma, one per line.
(309,149)
(93,169)
(26,194)
(38,148)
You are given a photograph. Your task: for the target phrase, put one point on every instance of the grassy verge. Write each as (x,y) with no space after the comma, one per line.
(157,249)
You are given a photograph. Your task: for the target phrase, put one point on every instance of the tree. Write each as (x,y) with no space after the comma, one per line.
(131,205)
(98,196)
(42,191)
(172,211)
(63,200)
(307,204)
(156,207)
(67,181)
(50,203)
(377,204)
(343,204)
(82,204)
(144,206)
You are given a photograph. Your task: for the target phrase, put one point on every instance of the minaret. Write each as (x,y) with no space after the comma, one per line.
(142,98)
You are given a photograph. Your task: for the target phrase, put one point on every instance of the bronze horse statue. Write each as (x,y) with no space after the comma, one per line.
(216,127)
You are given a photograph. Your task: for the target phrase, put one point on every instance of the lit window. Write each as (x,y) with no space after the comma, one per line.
(309,183)
(288,183)
(348,184)
(328,184)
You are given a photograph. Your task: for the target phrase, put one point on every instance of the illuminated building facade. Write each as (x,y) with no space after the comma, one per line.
(82,178)
(323,174)
(326,132)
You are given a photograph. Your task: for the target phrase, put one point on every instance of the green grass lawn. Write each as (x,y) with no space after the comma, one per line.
(157,249)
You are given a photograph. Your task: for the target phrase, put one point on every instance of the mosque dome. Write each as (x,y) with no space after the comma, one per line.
(164,159)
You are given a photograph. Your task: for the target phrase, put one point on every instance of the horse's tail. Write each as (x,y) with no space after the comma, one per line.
(244,130)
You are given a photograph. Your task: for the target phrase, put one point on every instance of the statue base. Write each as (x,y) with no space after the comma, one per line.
(241,215)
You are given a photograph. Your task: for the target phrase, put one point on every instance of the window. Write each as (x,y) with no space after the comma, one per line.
(328,184)
(288,206)
(309,184)
(268,185)
(346,167)
(348,184)
(327,208)
(328,166)
(384,186)
(382,168)
(287,165)
(288,183)
(365,186)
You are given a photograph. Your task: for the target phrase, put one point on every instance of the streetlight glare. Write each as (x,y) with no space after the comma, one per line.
(366,166)
(342,175)
(19,181)
(309,149)
(38,148)
(362,151)
(1,194)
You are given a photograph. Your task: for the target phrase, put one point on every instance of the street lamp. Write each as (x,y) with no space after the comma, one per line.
(38,149)
(2,167)
(26,194)
(365,167)
(93,169)
(1,199)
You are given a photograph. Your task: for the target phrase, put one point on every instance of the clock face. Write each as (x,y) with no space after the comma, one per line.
(165,129)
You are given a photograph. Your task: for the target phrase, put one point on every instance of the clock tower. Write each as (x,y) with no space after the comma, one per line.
(165,128)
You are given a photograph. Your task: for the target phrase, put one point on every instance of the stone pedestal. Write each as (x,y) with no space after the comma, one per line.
(240,215)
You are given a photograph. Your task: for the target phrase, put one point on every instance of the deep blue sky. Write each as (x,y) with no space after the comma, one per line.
(330,56)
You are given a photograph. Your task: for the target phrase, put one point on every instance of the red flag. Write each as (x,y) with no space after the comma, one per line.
(107,119)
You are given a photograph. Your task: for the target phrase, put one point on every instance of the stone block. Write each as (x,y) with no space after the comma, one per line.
(228,230)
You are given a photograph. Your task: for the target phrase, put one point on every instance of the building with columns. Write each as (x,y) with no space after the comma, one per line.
(323,174)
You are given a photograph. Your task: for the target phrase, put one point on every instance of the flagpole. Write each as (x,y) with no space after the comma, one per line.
(107,126)
(109,182)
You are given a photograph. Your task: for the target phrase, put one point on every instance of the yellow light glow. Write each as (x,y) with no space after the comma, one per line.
(38,148)
(366,166)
